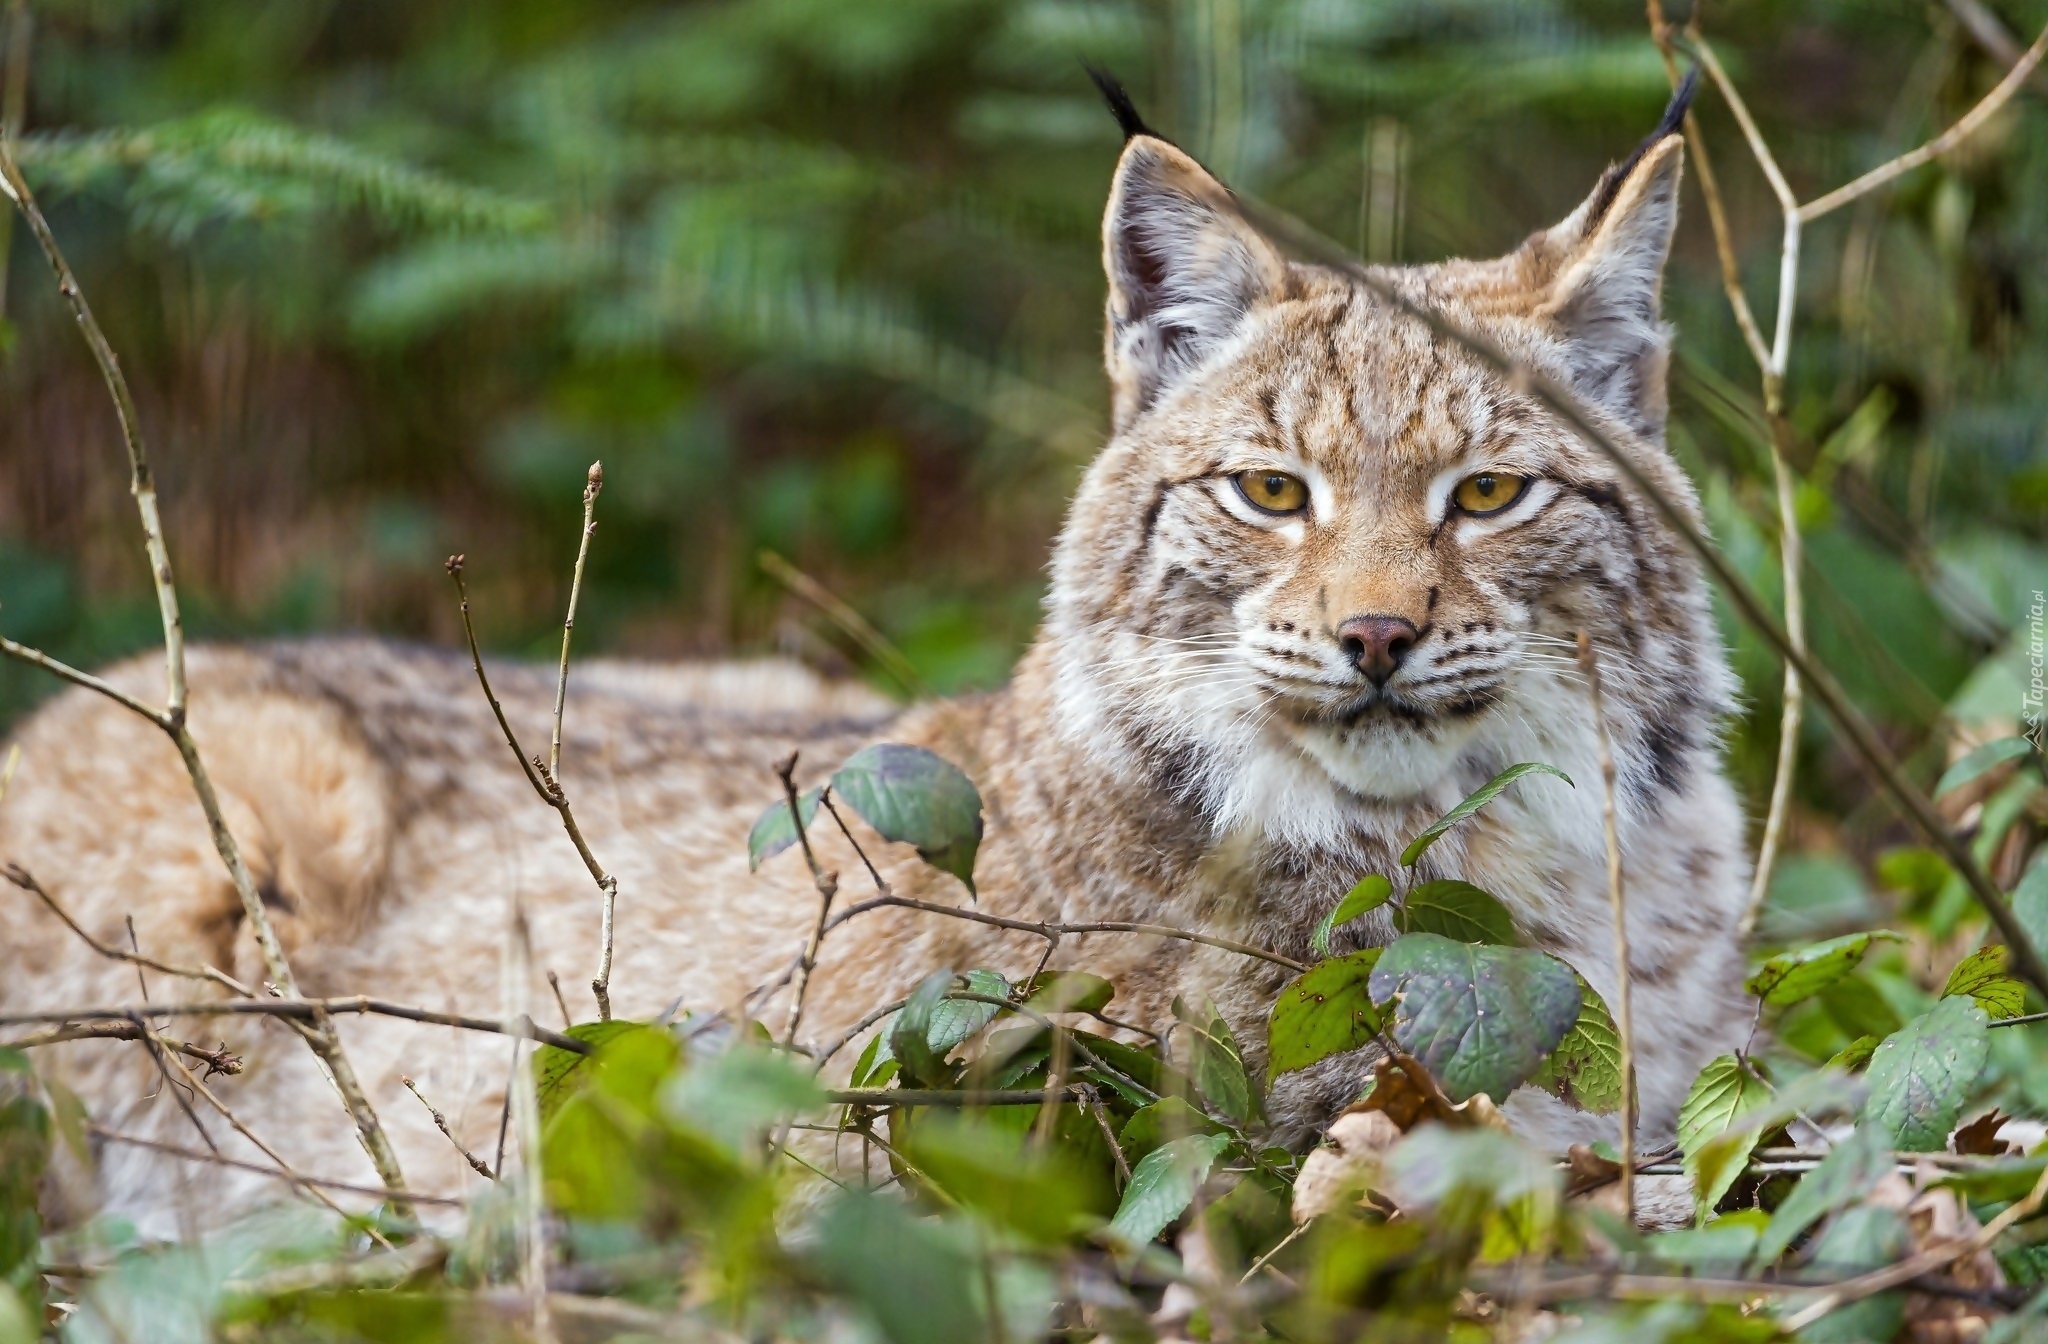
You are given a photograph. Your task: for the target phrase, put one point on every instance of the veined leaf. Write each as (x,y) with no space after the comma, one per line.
(1802,973)
(954,1020)
(876,1065)
(1854,1055)
(1456,910)
(1370,894)
(910,1036)
(1164,1184)
(775,832)
(1922,1074)
(1584,1071)
(1725,1091)
(559,1074)
(1480,1018)
(914,796)
(1169,1118)
(1217,1067)
(1981,760)
(1325,1011)
(1981,976)
(1485,794)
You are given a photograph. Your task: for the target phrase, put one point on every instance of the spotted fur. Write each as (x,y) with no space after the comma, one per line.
(1187,743)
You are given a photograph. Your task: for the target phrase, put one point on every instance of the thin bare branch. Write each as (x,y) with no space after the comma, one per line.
(1589,662)
(1941,144)
(476,1163)
(592,483)
(319,1033)
(1062,930)
(194,1155)
(305,1010)
(555,983)
(550,790)
(37,658)
(221,1061)
(516,973)
(827,885)
(22,878)
(855,625)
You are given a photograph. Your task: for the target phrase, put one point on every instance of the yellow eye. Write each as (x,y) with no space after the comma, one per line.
(1489,491)
(1272,491)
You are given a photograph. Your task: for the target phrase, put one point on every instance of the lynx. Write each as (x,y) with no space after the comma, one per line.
(1322,582)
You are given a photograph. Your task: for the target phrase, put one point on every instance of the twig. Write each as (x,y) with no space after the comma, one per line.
(318,1033)
(1990,33)
(1618,904)
(1636,464)
(840,1042)
(827,885)
(884,1098)
(235,1122)
(441,1123)
(555,983)
(217,1062)
(22,878)
(194,1155)
(1790,551)
(855,625)
(1116,1149)
(1278,1247)
(593,482)
(825,801)
(170,1084)
(1941,144)
(550,790)
(306,1010)
(1062,930)
(1891,1276)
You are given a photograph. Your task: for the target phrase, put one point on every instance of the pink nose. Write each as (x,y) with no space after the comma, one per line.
(1377,644)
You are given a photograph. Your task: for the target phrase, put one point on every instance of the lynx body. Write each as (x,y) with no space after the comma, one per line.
(1286,630)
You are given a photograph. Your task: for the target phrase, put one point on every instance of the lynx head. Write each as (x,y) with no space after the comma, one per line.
(1328,557)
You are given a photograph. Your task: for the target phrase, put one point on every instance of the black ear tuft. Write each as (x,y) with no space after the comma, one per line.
(1120,105)
(1668,124)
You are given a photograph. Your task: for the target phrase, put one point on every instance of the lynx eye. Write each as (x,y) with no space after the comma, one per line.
(1272,491)
(1489,492)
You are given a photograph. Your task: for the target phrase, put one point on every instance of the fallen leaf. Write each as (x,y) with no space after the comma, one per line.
(1980,1136)
(1339,1173)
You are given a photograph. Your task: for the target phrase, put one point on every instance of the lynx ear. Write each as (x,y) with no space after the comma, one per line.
(1185,269)
(1604,296)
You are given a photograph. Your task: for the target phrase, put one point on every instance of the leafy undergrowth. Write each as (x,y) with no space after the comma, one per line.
(1011,1160)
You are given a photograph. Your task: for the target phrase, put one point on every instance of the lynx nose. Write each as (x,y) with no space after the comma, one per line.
(1377,644)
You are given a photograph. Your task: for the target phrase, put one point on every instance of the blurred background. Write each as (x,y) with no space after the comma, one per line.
(822,277)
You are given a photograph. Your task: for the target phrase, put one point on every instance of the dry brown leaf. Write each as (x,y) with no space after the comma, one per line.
(1338,1174)
(1980,1136)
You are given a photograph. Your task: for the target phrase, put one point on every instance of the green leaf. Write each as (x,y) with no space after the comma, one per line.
(1480,1018)
(1861,1239)
(1721,1096)
(1370,894)
(775,832)
(559,1074)
(910,1035)
(1325,1011)
(1071,992)
(1845,1175)
(1981,760)
(877,1063)
(1981,976)
(737,1094)
(954,1020)
(917,1277)
(911,795)
(1922,1074)
(2030,901)
(1154,1126)
(1456,910)
(1804,972)
(1485,794)
(1164,1184)
(1584,1071)
(1854,1055)
(1217,1067)
(1038,1191)
(25,1131)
